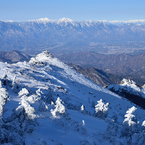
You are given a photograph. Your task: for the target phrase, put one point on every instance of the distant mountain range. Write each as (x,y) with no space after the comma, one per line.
(13,56)
(65,35)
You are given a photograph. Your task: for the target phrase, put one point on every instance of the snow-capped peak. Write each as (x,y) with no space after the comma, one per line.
(128,85)
(129,21)
(66,21)
(131,84)
(42,20)
(42,57)
(127,82)
(70,21)
(10,21)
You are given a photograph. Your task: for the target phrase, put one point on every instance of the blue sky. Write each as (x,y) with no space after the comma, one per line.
(23,10)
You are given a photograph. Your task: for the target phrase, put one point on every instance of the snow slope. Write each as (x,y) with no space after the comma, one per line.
(42,104)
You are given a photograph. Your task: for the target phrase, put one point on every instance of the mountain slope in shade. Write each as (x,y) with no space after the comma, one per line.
(13,56)
(44,101)
(115,61)
(127,65)
(98,76)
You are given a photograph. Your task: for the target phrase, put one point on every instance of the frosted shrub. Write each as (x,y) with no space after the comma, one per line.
(101,109)
(130,127)
(3,99)
(83,123)
(0,84)
(101,106)
(39,92)
(129,116)
(25,103)
(15,86)
(28,109)
(24,91)
(143,123)
(82,108)
(59,108)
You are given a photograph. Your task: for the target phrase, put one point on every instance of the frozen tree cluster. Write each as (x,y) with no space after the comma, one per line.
(35,107)
(25,103)
(16,124)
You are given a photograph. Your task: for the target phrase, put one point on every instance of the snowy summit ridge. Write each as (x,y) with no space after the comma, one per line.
(42,20)
(44,101)
(67,21)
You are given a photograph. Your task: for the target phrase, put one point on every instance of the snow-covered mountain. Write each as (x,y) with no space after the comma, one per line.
(65,35)
(13,56)
(130,90)
(44,101)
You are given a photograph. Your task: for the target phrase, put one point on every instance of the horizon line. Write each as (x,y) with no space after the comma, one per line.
(64,19)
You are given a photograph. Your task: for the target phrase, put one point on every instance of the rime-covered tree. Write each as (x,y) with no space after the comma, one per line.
(128,116)
(3,98)
(23,92)
(129,125)
(15,86)
(59,109)
(101,109)
(82,108)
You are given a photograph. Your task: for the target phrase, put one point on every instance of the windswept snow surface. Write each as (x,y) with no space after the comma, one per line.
(42,104)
